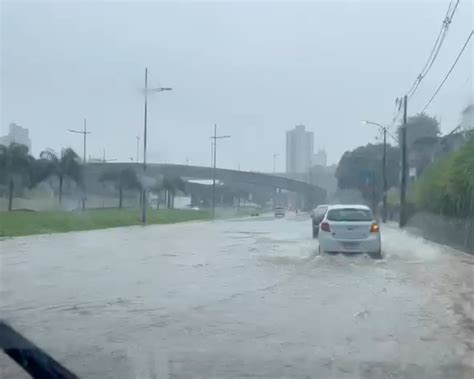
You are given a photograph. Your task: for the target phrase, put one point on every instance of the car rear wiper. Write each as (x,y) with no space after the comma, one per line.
(31,358)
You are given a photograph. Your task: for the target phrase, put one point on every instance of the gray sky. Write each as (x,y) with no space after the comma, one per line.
(255,69)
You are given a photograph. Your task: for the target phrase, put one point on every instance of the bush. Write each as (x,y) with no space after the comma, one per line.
(447,186)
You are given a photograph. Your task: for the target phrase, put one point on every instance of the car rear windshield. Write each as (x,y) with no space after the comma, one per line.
(350,214)
(320,211)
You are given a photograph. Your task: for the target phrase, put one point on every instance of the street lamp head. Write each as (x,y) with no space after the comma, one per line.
(160,89)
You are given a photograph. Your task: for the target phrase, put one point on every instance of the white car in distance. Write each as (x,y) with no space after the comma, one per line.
(350,229)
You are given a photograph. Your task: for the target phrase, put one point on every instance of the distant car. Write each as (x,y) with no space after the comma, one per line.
(279,212)
(316,217)
(350,229)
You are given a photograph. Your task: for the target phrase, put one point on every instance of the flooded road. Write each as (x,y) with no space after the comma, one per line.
(240,298)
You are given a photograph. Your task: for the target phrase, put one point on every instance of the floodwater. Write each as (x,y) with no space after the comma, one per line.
(239,298)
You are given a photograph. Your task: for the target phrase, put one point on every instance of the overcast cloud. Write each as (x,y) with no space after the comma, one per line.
(255,69)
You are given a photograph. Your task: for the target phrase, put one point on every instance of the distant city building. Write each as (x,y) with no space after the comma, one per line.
(299,150)
(16,134)
(320,158)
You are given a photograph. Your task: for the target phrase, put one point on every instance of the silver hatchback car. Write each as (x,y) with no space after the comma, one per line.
(350,229)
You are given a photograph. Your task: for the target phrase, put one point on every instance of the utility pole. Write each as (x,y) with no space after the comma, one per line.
(403,179)
(145,119)
(84,133)
(215,138)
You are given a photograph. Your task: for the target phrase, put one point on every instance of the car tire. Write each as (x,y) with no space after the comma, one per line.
(376,255)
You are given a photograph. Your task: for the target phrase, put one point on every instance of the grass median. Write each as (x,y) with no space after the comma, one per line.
(22,223)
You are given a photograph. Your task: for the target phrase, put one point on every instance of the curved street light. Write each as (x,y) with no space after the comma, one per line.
(147,90)
(384,165)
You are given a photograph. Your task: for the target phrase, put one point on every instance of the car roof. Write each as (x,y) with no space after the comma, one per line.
(349,206)
(322,205)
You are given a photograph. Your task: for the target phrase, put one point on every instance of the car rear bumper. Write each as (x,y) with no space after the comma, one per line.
(369,245)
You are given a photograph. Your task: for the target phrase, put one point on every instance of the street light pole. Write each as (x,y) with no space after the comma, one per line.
(215,138)
(384,164)
(145,120)
(214,174)
(144,202)
(403,181)
(384,167)
(84,133)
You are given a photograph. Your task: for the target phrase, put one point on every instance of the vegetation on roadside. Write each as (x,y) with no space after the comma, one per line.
(65,165)
(16,169)
(447,186)
(25,223)
(420,126)
(361,169)
(125,179)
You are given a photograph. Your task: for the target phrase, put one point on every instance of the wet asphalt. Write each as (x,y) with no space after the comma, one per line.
(239,299)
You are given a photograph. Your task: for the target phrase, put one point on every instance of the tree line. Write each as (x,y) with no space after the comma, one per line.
(444,185)
(20,170)
(447,186)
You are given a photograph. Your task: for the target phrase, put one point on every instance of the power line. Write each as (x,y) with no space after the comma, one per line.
(436,47)
(450,70)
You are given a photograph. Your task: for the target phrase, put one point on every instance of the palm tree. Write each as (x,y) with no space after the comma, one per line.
(68,164)
(172,185)
(122,179)
(15,167)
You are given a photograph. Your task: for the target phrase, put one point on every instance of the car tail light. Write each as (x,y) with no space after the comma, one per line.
(325,227)
(374,228)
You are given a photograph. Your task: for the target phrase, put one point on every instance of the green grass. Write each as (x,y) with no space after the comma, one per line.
(27,223)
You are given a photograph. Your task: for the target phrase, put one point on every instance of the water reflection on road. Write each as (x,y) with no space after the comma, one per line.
(240,298)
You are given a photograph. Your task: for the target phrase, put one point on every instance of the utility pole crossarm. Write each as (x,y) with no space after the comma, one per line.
(78,131)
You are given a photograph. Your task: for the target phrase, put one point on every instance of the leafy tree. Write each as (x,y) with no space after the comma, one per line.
(122,179)
(68,164)
(15,168)
(361,169)
(420,126)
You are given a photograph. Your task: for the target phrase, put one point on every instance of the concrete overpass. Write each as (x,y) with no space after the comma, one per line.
(311,193)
